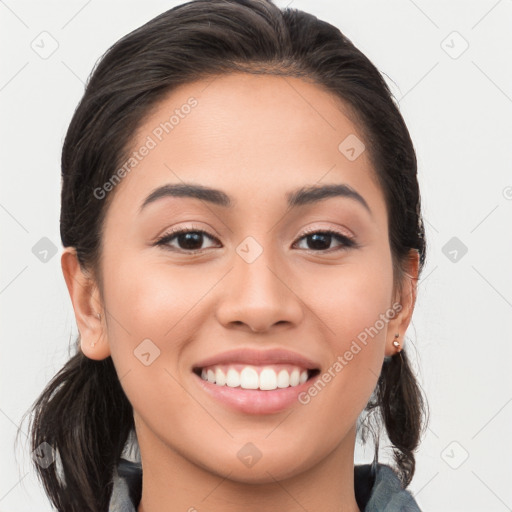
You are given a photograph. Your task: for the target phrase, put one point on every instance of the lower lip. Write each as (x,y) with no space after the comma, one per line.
(255,401)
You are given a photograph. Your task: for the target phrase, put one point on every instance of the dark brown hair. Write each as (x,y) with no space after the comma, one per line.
(83,412)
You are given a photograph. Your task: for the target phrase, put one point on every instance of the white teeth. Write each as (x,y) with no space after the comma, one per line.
(233,378)
(283,379)
(268,379)
(220,377)
(248,378)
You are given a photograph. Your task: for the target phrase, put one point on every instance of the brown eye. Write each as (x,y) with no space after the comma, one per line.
(188,240)
(321,240)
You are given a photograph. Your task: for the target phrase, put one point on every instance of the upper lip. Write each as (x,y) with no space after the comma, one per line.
(259,357)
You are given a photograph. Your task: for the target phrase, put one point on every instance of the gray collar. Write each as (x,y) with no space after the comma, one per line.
(377,489)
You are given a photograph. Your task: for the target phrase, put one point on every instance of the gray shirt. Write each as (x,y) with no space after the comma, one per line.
(377,489)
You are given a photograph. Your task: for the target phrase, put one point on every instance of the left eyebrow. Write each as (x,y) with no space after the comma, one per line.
(312,194)
(295,198)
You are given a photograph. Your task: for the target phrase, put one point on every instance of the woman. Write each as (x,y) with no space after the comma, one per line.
(243,238)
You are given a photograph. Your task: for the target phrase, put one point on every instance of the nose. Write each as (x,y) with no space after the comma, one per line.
(259,295)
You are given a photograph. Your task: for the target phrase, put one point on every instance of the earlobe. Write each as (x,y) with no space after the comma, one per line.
(85,297)
(407,298)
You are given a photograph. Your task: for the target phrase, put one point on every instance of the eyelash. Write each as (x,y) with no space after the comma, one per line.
(347,242)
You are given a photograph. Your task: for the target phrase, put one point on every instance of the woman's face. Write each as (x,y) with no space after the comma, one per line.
(258,291)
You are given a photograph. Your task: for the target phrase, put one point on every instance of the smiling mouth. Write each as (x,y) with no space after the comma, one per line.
(265,378)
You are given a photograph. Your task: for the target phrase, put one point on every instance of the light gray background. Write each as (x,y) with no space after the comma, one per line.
(458,107)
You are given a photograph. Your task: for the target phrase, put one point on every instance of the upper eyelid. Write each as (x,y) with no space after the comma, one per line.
(196,229)
(335,231)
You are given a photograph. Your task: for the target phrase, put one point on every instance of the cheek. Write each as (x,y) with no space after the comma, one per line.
(153,313)
(150,298)
(354,304)
(152,317)
(352,297)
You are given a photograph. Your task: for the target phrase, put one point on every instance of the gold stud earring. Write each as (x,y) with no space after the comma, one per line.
(396,343)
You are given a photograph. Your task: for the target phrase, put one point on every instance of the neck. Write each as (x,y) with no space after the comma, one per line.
(171,482)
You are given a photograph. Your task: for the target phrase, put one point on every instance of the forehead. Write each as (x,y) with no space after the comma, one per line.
(257,135)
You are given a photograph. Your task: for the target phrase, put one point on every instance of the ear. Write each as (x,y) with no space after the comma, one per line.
(86,300)
(406,297)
